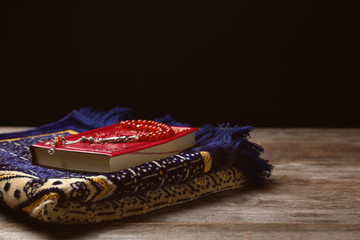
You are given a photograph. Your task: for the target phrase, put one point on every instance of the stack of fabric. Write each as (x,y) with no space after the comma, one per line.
(222,159)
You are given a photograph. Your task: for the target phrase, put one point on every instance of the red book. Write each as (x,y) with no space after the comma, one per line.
(110,157)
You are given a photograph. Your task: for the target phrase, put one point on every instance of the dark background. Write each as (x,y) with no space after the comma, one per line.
(265,63)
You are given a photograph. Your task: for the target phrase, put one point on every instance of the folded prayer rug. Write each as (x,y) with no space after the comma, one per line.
(223,158)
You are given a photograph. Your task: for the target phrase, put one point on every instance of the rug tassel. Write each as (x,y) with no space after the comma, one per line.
(230,147)
(96,119)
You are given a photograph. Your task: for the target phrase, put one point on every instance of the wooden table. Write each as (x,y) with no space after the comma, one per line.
(314,193)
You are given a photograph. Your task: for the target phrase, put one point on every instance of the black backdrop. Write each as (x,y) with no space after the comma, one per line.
(266,63)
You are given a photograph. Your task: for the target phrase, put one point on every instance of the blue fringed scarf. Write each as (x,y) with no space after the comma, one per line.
(223,158)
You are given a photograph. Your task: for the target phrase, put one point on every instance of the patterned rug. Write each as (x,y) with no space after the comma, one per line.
(223,159)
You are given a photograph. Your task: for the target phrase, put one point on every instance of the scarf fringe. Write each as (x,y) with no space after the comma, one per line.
(95,119)
(169,120)
(230,146)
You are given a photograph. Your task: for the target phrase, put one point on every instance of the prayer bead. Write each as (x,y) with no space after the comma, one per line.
(151,130)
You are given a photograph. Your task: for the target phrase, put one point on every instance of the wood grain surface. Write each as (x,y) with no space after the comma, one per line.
(313,193)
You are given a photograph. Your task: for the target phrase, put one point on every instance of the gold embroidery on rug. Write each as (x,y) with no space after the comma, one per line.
(50,196)
(104,185)
(207,161)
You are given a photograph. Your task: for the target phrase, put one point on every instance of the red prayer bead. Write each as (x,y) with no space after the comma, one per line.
(59,141)
(154,131)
